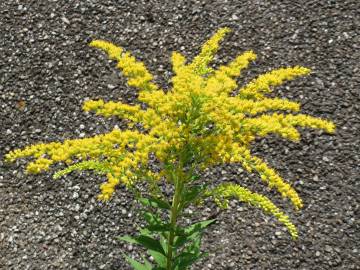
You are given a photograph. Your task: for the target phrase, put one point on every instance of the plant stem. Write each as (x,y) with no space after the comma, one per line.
(173,219)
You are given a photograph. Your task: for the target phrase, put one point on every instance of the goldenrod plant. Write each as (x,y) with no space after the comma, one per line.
(199,123)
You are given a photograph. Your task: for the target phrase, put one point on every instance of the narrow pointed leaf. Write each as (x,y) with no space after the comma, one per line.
(186,259)
(192,194)
(147,263)
(127,238)
(152,219)
(136,265)
(199,226)
(159,258)
(159,227)
(144,240)
(155,202)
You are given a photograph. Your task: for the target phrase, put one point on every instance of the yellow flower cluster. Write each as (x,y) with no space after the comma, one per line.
(198,120)
(208,50)
(136,72)
(40,165)
(261,85)
(225,191)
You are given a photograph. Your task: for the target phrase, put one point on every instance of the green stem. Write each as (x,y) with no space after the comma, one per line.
(173,218)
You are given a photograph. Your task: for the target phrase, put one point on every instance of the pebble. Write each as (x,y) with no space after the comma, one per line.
(65,20)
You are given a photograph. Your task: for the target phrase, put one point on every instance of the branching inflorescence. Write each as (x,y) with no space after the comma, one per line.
(197,124)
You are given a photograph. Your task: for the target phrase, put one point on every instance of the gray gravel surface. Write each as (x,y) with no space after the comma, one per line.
(47,71)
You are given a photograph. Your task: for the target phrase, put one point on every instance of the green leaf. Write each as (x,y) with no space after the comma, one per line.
(199,226)
(155,202)
(144,240)
(159,258)
(163,242)
(183,239)
(152,219)
(159,227)
(195,177)
(127,238)
(186,259)
(135,264)
(192,194)
(191,232)
(155,225)
(147,263)
(195,246)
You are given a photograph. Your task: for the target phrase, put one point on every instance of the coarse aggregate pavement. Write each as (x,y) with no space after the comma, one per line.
(47,70)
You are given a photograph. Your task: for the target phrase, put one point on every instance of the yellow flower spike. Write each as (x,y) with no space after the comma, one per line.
(108,109)
(268,175)
(225,191)
(178,61)
(208,50)
(261,85)
(234,68)
(113,51)
(136,72)
(38,166)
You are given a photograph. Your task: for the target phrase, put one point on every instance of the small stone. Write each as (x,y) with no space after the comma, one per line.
(8,132)
(82,126)
(234,17)
(111,86)
(317,253)
(123,211)
(65,20)
(82,135)
(328,248)
(326,159)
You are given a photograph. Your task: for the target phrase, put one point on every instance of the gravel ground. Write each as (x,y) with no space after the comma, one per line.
(47,71)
